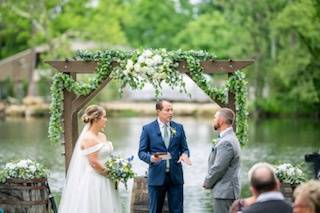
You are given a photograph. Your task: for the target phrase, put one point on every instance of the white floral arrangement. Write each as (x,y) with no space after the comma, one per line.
(23,169)
(289,174)
(151,66)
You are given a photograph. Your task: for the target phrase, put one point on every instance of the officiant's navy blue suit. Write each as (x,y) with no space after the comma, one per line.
(161,181)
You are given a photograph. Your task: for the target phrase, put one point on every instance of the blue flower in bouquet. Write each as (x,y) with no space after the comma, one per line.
(129,159)
(120,170)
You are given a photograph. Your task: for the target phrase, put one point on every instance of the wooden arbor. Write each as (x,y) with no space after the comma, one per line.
(73,104)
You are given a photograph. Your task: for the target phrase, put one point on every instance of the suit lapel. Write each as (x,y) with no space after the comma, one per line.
(157,128)
(172,126)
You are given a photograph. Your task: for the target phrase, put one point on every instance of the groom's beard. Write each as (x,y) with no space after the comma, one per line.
(216,127)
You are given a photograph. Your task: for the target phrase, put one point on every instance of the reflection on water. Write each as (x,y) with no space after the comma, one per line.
(270,140)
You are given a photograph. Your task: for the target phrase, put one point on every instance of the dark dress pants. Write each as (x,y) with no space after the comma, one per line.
(157,196)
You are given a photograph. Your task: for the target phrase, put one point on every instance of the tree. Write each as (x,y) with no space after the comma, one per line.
(213,33)
(153,24)
(297,66)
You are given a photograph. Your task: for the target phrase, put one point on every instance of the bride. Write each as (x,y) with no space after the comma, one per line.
(87,189)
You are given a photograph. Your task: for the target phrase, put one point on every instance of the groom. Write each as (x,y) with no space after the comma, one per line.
(224,163)
(163,146)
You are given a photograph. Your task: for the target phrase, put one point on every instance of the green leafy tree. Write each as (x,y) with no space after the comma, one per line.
(212,32)
(153,24)
(297,67)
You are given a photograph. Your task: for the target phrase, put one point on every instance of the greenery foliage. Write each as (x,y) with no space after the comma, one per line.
(136,68)
(281,35)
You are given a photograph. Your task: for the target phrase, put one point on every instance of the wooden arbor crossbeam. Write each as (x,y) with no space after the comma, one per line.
(72,103)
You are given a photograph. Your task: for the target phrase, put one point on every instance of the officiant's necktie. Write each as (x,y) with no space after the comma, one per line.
(166,139)
(166,136)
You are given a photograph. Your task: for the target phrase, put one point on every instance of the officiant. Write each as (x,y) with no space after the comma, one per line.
(163,147)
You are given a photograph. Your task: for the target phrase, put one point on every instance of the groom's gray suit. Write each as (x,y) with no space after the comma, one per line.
(223,171)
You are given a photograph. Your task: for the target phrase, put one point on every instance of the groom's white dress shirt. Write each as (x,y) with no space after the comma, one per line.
(221,134)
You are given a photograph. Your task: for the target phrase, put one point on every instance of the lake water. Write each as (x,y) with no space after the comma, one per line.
(275,141)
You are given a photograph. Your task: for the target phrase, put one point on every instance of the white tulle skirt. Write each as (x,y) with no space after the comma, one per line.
(96,194)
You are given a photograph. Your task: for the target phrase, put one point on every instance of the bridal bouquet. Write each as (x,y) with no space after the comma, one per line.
(23,169)
(120,170)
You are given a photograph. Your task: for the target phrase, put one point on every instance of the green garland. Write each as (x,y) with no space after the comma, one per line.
(135,69)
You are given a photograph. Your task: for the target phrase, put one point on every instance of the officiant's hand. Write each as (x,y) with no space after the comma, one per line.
(155,159)
(184,157)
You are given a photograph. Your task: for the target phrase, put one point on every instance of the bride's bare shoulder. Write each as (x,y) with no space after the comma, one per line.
(88,141)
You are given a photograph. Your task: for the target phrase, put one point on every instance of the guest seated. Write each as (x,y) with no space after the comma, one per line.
(307,197)
(239,204)
(265,187)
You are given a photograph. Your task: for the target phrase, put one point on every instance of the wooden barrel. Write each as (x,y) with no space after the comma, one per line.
(2,110)
(25,196)
(139,197)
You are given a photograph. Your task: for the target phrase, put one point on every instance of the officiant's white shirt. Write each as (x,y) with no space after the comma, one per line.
(161,126)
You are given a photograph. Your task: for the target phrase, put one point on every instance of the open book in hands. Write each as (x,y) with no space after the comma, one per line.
(163,155)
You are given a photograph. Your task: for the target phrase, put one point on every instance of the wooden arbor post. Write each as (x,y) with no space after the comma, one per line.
(73,104)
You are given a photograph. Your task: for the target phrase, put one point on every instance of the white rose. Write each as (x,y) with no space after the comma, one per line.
(126,71)
(291,172)
(282,167)
(144,69)
(157,76)
(32,168)
(150,71)
(299,172)
(137,68)
(141,59)
(129,65)
(288,165)
(10,166)
(22,164)
(157,59)
(147,53)
(149,62)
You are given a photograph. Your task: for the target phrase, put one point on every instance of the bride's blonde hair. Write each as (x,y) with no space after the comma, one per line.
(92,113)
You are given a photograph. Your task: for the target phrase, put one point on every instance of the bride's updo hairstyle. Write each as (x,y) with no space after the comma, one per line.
(92,113)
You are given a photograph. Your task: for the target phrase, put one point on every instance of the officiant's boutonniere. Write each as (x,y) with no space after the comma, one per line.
(173,131)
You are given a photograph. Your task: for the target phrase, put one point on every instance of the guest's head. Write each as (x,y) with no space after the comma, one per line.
(164,111)
(95,115)
(223,119)
(263,179)
(307,197)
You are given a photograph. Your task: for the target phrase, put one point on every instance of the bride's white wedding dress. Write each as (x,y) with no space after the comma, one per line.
(86,190)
